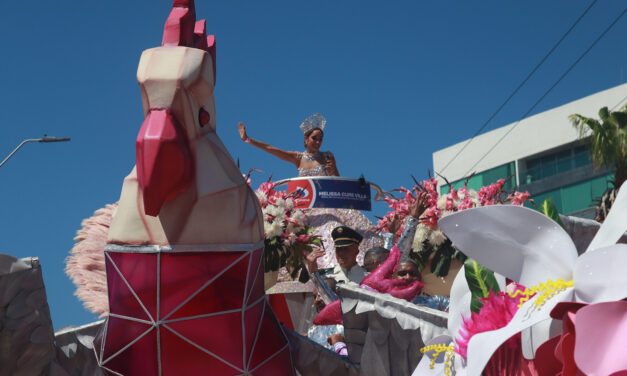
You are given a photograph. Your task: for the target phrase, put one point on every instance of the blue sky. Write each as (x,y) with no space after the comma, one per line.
(396,81)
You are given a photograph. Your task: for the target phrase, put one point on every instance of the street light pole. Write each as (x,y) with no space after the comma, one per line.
(45,138)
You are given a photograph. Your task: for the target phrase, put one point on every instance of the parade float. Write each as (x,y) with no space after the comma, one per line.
(184,268)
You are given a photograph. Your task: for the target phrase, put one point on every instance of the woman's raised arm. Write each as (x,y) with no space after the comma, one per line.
(288,156)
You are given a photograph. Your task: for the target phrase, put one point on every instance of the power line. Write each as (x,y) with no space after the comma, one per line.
(520,85)
(550,89)
(619,103)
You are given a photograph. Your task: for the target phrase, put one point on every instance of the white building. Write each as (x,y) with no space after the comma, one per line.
(542,153)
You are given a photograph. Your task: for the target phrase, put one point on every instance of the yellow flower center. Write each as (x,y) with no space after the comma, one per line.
(545,291)
(438,349)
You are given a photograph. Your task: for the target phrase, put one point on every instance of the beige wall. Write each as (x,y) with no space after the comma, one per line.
(533,135)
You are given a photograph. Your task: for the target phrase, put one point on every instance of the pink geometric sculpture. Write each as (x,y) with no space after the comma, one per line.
(184,253)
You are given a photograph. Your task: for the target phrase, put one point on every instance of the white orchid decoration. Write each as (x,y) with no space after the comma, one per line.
(531,249)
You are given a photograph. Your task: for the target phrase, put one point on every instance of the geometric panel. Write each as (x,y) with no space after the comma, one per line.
(270,340)
(121,299)
(252,320)
(182,274)
(139,359)
(256,268)
(192,291)
(276,365)
(140,271)
(225,293)
(217,334)
(120,333)
(178,357)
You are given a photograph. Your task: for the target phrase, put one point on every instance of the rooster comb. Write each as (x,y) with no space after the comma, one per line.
(182,29)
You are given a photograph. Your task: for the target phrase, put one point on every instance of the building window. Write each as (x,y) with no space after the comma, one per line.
(555,163)
(486,178)
(577,197)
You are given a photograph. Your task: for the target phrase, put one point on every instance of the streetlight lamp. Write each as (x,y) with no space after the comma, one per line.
(45,138)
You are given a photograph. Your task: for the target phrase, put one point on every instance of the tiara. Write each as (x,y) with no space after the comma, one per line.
(314,121)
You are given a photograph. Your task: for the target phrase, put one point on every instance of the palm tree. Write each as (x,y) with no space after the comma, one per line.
(608,147)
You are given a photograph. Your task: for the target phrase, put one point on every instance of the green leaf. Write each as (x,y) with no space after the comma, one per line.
(304,275)
(437,257)
(460,256)
(480,281)
(441,269)
(550,210)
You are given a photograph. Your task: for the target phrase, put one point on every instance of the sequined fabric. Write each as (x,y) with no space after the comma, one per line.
(438,302)
(320,333)
(320,170)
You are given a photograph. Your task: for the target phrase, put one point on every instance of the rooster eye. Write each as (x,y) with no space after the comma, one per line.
(203,117)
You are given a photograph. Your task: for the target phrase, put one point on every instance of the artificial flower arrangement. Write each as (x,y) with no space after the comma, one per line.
(429,239)
(287,237)
(510,332)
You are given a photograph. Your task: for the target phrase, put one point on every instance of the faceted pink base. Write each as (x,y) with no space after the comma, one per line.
(189,313)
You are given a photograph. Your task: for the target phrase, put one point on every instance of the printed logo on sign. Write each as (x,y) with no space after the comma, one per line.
(304,193)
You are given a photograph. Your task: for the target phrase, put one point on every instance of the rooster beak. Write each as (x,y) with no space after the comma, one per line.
(164,163)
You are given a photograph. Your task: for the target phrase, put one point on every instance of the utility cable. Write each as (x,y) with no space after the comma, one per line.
(519,86)
(550,89)
(619,103)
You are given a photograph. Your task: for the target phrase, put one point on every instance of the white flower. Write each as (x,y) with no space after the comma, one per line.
(274,211)
(273,229)
(442,202)
(422,232)
(289,204)
(299,217)
(497,235)
(267,228)
(280,203)
(261,196)
(417,246)
(437,237)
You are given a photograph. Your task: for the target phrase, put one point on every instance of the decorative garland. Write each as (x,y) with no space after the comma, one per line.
(429,239)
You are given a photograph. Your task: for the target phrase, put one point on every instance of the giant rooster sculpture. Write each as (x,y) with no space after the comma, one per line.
(183,259)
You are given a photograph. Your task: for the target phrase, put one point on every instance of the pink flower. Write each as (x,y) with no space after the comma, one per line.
(266,187)
(496,312)
(519,198)
(466,203)
(453,194)
(304,238)
(431,216)
(289,238)
(450,203)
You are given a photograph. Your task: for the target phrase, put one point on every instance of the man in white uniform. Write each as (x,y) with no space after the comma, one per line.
(346,249)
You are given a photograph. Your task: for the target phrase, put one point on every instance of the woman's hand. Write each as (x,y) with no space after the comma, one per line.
(311,258)
(395,224)
(242,131)
(419,205)
(330,165)
(335,338)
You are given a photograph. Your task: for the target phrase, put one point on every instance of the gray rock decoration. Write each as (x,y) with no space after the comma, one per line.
(582,230)
(26,333)
(75,354)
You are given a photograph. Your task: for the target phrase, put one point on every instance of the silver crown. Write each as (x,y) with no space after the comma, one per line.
(314,121)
